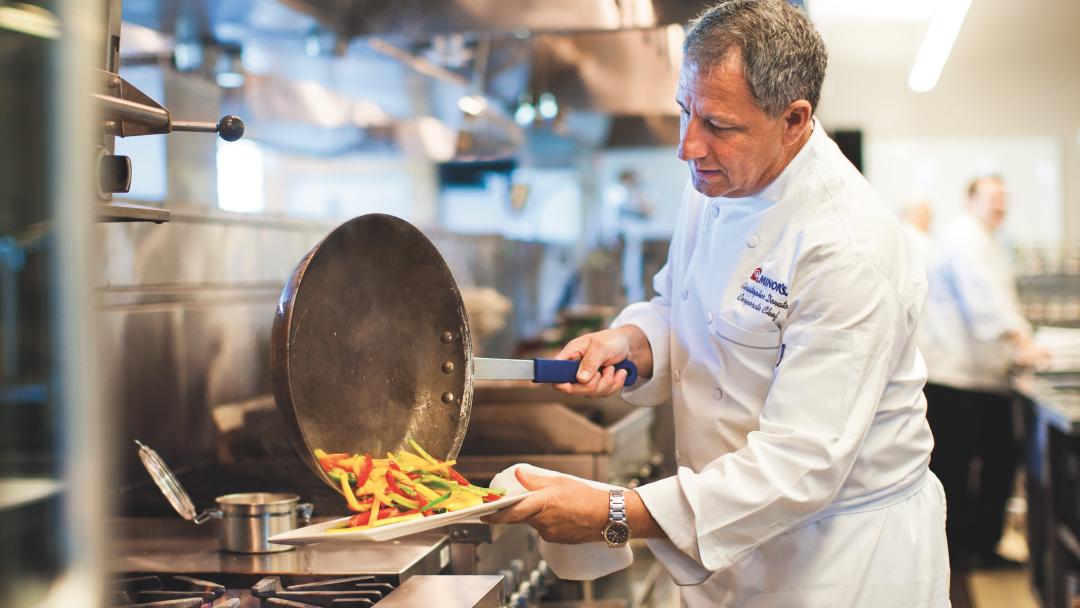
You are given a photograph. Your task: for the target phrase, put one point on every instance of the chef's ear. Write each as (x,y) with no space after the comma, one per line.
(797,118)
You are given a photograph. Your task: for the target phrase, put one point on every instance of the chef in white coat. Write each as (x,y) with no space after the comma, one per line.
(783,330)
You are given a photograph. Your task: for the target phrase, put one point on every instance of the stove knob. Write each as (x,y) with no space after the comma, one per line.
(526,592)
(517,601)
(536,581)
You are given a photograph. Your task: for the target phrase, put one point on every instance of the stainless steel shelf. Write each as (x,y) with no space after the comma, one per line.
(130,212)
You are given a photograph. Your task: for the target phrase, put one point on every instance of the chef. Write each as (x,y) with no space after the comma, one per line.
(783,330)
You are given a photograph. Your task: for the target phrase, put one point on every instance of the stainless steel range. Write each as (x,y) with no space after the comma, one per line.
(168,564)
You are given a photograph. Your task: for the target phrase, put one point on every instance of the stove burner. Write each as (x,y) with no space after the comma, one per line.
(350,592)
(181,592)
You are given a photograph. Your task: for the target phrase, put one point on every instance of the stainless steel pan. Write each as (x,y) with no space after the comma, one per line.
(370,346)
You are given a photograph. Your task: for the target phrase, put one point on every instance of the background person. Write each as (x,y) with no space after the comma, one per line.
(976,333)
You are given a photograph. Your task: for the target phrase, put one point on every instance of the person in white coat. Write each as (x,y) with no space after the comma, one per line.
(783,330)
(974,333)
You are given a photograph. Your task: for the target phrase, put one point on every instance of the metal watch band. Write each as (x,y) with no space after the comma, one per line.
(616,505)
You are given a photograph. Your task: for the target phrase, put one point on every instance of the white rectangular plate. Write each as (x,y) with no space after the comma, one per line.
(317,533)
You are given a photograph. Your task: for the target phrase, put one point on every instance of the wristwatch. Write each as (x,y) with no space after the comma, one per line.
(617,531)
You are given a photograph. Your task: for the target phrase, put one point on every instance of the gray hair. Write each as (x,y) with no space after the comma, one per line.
(783,55)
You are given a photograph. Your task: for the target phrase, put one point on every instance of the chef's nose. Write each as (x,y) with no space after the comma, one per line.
(691,145)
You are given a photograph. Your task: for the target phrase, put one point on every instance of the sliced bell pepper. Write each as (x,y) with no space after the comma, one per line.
(458,477)
(436,482)
(363,470)
(438,501)
(374,513)
(427,493)
(404,502)
(338,474)
(421,452)
(349,496)
(492,497)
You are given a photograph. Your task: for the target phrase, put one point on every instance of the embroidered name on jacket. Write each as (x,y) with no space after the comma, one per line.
(764,294)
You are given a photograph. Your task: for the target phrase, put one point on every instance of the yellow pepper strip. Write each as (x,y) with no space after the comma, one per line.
(395,519)
(426,492)
(436,466)
(348,492)
(408,459)
(375,512)
(421,452)
(403,478)
(320,454)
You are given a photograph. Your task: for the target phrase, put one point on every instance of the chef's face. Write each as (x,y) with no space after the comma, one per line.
(988,203)
(733,147)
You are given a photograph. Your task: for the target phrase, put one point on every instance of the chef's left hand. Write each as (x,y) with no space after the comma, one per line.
(562,510)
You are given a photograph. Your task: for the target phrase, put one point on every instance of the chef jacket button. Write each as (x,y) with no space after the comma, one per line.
(717,394)
(675,375)
(709,317)
(714,210)
(685,295)
(752,241)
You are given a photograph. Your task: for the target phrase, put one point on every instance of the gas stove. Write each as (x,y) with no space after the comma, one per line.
(172,564)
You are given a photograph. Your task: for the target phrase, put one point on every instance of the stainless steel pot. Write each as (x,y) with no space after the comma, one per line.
(248,520)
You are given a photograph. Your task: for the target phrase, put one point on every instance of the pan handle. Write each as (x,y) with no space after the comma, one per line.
(555,371)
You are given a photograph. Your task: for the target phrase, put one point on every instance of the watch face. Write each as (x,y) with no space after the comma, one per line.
(617,533)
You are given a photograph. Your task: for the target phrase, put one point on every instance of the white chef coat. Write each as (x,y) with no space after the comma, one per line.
(784,332)
(971,307)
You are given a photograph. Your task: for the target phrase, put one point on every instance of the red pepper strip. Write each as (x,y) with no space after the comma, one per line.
(363,471)
(355,520)
(413,475)
(420,499)
(492,497)
(402,492)
(458,477)
(393,465)
(392,483)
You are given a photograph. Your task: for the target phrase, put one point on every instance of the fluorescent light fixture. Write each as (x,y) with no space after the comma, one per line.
(472,105)
(940,36)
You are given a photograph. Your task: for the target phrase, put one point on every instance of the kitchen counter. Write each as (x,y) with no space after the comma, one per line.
(1052,449)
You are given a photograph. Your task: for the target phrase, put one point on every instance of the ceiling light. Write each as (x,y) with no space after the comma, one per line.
(472,105)
(525,114)
(940,36)
(547,106)
(870,10)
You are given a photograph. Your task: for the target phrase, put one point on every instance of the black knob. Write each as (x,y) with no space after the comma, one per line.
(114,173)
(230,128)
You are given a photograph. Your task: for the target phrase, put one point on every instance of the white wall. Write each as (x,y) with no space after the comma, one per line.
(1014,73)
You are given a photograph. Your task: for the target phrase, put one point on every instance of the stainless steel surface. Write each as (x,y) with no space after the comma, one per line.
(1057,397)
(163,546)
(502,369)
(361,336)
(478,591)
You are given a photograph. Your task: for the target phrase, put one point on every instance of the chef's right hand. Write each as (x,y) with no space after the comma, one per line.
(598,353)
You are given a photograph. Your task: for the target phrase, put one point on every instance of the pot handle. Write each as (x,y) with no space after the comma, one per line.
(304,510)
(207,515)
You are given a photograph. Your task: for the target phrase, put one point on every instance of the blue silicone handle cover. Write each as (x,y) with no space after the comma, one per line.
(554,371)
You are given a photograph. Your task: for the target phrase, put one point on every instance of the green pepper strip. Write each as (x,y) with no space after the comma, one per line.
(438,501)
(421,452)
(436,481)
(404,502)
(336,476)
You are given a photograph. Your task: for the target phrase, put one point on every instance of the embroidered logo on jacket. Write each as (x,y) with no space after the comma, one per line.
(768,282)
(758,294)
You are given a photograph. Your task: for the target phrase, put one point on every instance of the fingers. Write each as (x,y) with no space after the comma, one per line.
(574,349)
(516,513)
(535,482)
